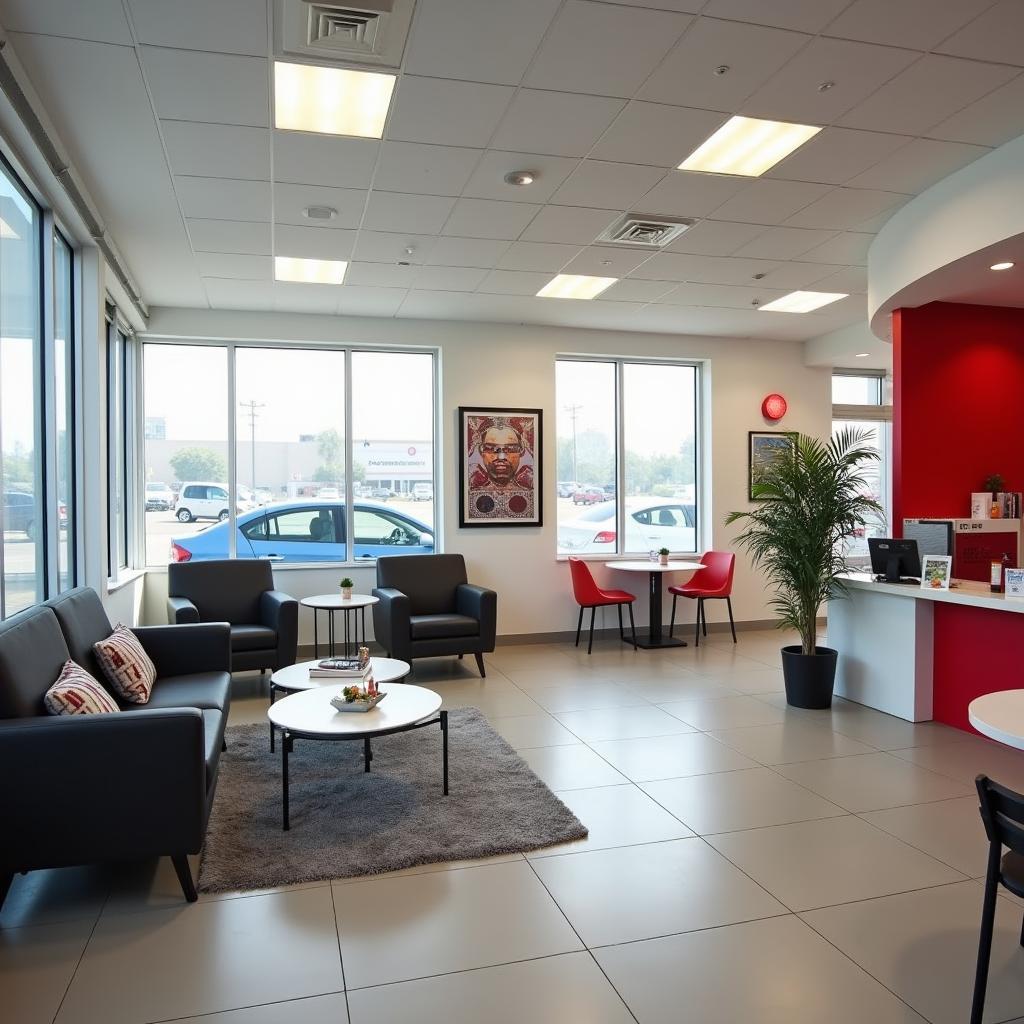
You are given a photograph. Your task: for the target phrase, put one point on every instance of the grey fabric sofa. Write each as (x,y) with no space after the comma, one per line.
(264,622)
(427,609)
(83,789)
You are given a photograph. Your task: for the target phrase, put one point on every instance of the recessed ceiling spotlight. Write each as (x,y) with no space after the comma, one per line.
(759,277)
(320,213)
(1005,265)
(520,177)
(861,355)
(825,86)
(722,69)
(748,146)
(307,271)
(802,302)
(575,286)
(331,101)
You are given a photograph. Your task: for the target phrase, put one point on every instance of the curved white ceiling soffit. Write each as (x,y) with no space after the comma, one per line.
(940,246)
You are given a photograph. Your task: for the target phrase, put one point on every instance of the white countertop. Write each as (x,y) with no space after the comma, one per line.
(966,592)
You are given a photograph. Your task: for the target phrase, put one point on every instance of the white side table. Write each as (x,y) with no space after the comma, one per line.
(351,623)
(1000,716)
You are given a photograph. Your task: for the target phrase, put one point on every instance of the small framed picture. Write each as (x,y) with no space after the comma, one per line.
(936,571)
(1013,583)
(765,447)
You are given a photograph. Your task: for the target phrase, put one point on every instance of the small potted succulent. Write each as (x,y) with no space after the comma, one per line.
(346,588)
(663,554)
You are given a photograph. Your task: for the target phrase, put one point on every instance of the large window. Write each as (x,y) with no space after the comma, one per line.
(328,452)
(627,454)
(64,408)
(119,445)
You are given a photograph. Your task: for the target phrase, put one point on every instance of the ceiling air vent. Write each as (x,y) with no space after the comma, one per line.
(644,232)
(368,32)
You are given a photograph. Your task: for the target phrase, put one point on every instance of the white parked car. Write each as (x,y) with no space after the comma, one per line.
(422,492)
(200,499)
(329,493)
(159,496)
(651,523)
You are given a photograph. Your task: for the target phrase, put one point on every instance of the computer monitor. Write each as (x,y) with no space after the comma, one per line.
(894,560)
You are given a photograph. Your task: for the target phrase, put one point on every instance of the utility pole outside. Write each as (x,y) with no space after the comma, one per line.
(573,411)
(251,406)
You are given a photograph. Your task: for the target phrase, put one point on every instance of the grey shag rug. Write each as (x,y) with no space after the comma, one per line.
(345,822)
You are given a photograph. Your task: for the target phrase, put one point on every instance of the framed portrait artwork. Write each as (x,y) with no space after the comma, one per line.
(765,447)
(499,467)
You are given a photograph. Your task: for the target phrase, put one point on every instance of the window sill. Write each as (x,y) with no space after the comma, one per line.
(122,581)
(365,563)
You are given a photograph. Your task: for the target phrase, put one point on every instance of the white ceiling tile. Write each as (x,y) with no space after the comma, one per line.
(603,49)
(488,180)
(847,248)
(916,24)
(466,252)
(230,236)
(917,165)
(853,280)
(750,52)
(224,293)
(513,282)
(228,26)
(802,15)
(990,121)
(476,41)
(390,247)
(429,170)
(715,237)
(223,198)
(380,275)
(102,21)
(296,297)
(929,91)
(607,261)
(369,301)
(670,266)
(217,150)
(235,265)
(685,6)
(768,201)
(446,113)
(291,200)
(995,35)
(690,194)
(835,155)
(873,225)
(798,275)
(313,243)
(857,69)
(544,257)
(612,186)
(780,243)
(655,133)
(568,224)
(305,158)
(844,208)
(489,218)
(559,123)
(730,296)
(189,85)
(637,291)
(450,279)
(393,211)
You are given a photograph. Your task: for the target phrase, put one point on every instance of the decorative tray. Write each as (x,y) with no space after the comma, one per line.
(339,703)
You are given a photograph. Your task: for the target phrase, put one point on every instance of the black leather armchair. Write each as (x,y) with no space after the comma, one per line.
(264,622)
(428,609)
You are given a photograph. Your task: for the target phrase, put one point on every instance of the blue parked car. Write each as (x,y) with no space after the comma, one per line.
(309,531)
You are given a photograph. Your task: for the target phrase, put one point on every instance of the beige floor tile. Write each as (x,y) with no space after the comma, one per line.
(498,704)
(397,929)
(249,710)
(562,675)
(718,661)
(615,816)
(948,830)
(60,894)
(793,740)
(206,957)
(622,723)
(877,729)
(924,946)
(526,656)
(726,713)
(554,990)
(870,782)
(425,869)
(776,971)
(671,757)
(690,687)
(965,758)
(638,669)
(315,1010)
(571,767)
(441,670)
(833,860)
(639,892)
(36,966)
(761,680)
(584,696)
(540,730)
(727,801)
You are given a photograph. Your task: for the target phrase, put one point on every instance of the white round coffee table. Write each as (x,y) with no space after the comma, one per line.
(655,637)
(1000,716)
(309,715)
(352,624)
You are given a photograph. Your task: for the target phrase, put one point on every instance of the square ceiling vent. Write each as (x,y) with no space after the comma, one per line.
(643,232)
(369,32)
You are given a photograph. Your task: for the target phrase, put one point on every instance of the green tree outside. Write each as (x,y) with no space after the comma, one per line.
(198,464)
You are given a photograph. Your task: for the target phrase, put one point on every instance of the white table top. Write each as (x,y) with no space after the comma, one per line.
(310,711)
(646,565)
(999,716)
(296,677)
(336,601)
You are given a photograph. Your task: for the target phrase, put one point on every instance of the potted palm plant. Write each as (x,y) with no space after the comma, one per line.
(811,503)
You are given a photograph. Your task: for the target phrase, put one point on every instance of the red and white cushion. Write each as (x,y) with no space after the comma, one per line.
(76,692)
(126,665)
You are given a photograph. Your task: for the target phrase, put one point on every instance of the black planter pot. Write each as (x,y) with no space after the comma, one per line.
(809,677)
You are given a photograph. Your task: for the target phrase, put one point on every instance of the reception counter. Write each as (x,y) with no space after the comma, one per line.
(923,654)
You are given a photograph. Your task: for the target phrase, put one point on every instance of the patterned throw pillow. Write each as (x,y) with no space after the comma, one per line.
(76,692)
(126,665)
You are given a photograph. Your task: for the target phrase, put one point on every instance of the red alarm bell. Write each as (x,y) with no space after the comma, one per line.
(774,407)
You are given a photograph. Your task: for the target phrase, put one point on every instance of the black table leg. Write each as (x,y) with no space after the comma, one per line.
(330,629)
(273,694)
(367,754)
(655,637)
(286,741)
(316,637)
(444,748)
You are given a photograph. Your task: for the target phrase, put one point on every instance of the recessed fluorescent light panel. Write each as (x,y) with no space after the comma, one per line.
(575,286)
(292,268)
(332,101)
(802,302)
(748,146)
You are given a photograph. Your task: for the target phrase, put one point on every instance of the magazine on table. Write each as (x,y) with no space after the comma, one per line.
(352,668)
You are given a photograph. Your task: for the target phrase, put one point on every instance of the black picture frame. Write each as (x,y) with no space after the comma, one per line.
(502,492)
(770,442)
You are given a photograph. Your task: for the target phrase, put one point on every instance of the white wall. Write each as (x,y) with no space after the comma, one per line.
(510,365)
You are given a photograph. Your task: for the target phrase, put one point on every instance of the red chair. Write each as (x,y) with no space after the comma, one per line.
(589,595)
(713,582)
